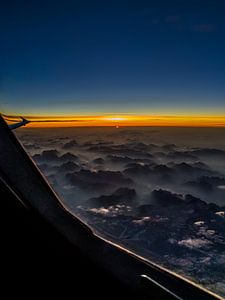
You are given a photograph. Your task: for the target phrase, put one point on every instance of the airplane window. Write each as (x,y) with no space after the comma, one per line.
(124,114)
(157,191)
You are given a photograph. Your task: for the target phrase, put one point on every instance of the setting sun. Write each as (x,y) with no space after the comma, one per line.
(115,119)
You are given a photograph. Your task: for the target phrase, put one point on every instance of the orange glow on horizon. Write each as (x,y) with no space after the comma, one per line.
(125,120)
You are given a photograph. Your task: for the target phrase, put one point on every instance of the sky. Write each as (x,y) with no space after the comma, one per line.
(113,58)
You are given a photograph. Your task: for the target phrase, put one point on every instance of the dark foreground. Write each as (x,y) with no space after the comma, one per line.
(38,261)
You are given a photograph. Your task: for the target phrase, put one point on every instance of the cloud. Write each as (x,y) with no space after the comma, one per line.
(200,185)
(130,150)
(98,181)
(204,28)
(47,156)
(98,161)
(53,157)
(141,221)
(68,157)
(70,144)
(167,174)
(181,156)
(144,220)
(122,196)
(153,200)
(96,143)
(191,170)
(128,161)
(68,167)
(220,213)
(166,198)
(111,211)
(44,167)
(117,159)
(207,183)
(194,243)
(138,171)
(209,152)
(31,147)
(168,147)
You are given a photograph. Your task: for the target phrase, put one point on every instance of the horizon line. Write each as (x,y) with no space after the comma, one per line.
(119,120)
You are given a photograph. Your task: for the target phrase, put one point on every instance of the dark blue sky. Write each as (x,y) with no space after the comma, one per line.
(112,56)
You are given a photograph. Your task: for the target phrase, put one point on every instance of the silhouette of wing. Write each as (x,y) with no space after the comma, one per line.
(19,124)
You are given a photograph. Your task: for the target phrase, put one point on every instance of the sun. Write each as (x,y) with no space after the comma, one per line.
(115,119)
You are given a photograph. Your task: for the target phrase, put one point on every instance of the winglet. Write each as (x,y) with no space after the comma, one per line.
(19,124)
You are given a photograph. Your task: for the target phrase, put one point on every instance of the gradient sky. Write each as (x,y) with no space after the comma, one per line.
(111,57)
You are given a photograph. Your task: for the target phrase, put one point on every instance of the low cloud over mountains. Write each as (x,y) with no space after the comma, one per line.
(164,201)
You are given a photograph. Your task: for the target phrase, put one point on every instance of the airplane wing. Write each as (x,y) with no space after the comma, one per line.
(19,124)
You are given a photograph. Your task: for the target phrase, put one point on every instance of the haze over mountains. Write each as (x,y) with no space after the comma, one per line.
(157,191)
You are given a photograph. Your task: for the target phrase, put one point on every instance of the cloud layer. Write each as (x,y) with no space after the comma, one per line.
(163,200)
